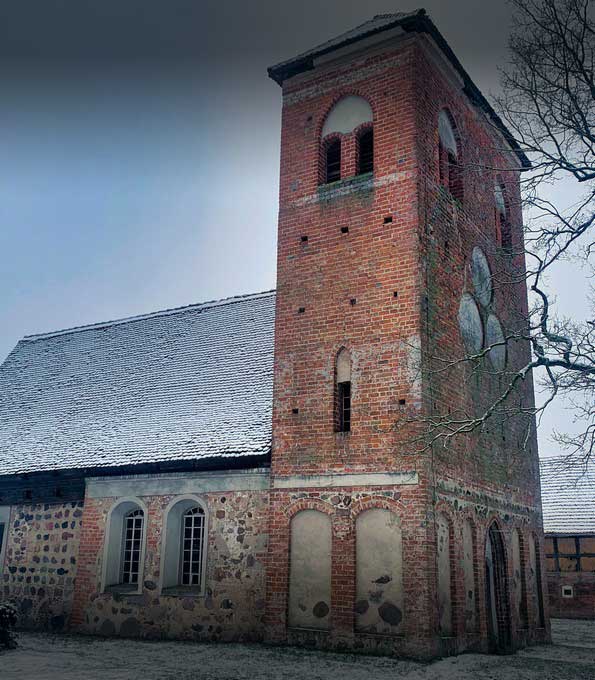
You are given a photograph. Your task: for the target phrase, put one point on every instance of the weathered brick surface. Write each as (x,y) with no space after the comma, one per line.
(337,289)
(233,605)
(41,563)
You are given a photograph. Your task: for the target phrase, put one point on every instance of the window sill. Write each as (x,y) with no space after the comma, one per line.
(346,186)
(123,589)
(181,591)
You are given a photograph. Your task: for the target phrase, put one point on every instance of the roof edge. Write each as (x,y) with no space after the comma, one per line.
(419,22)
(150,315)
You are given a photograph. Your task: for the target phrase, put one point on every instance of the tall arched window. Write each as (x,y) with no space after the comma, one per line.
(332,162)
(503,231)
(193,529)
(365,151)
(449,156)
(132,543)
(183,551)
(124,549)
(343,392)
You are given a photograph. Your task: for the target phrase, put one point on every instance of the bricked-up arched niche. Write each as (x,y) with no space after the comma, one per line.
(310,570)
(519,578)
(535,586)
(502,211)
(347,127)
(343,391)
(497,597)
(184,545)
(379,572)
(449,155)
(124,546)
(444,563)
(469,577)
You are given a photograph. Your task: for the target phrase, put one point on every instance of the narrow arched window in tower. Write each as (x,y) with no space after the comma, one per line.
(343,392)
(449,156)
(333,160)
(365,151)
(503,231)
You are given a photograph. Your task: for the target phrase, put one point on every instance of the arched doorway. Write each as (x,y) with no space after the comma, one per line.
(497,599)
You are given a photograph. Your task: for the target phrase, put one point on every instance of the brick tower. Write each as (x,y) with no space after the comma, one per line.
(396,243)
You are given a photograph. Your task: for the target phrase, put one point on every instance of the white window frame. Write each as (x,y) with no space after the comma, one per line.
(171,546)
(4,519)
(113,548)
(569,595)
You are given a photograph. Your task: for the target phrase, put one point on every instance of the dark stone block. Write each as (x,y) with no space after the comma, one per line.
(130,628)
(390,613)
(361,606)
(57,622)
(107,628)
(320,610)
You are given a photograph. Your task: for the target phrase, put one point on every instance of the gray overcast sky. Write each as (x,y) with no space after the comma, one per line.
(139,147)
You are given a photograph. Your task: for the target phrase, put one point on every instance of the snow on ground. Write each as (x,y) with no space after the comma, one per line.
(45,657)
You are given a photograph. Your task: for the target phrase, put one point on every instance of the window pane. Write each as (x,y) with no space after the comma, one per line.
(133,531)
(192,547)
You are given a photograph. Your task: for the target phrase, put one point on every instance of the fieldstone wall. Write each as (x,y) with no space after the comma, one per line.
(41,563)
(233,604)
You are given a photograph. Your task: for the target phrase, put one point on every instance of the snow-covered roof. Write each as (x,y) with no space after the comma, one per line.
(186,384)
(568,497)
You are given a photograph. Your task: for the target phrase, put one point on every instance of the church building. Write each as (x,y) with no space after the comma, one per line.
(297,466)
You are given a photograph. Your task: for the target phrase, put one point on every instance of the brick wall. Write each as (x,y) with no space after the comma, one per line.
(381,273)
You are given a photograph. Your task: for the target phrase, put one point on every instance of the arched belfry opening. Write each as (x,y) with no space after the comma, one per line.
(496,592)
(347,140)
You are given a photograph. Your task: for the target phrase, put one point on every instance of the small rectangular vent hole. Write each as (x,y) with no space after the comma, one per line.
(344,230)
(301,310)
(388,219)
(304,239)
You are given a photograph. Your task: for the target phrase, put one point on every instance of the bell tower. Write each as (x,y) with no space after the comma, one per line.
(364,549)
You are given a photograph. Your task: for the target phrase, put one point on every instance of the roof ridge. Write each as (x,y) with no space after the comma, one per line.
(149,315)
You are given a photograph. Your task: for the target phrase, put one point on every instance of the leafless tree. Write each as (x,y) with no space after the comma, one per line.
(548,103)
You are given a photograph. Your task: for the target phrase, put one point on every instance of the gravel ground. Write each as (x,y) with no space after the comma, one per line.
(62,657)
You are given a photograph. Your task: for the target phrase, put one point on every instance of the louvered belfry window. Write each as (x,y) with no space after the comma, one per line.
(333,161)
(366,152)
(133,536)
(193,528)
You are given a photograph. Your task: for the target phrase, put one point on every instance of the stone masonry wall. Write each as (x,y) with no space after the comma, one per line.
(233,605)
(41,563)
